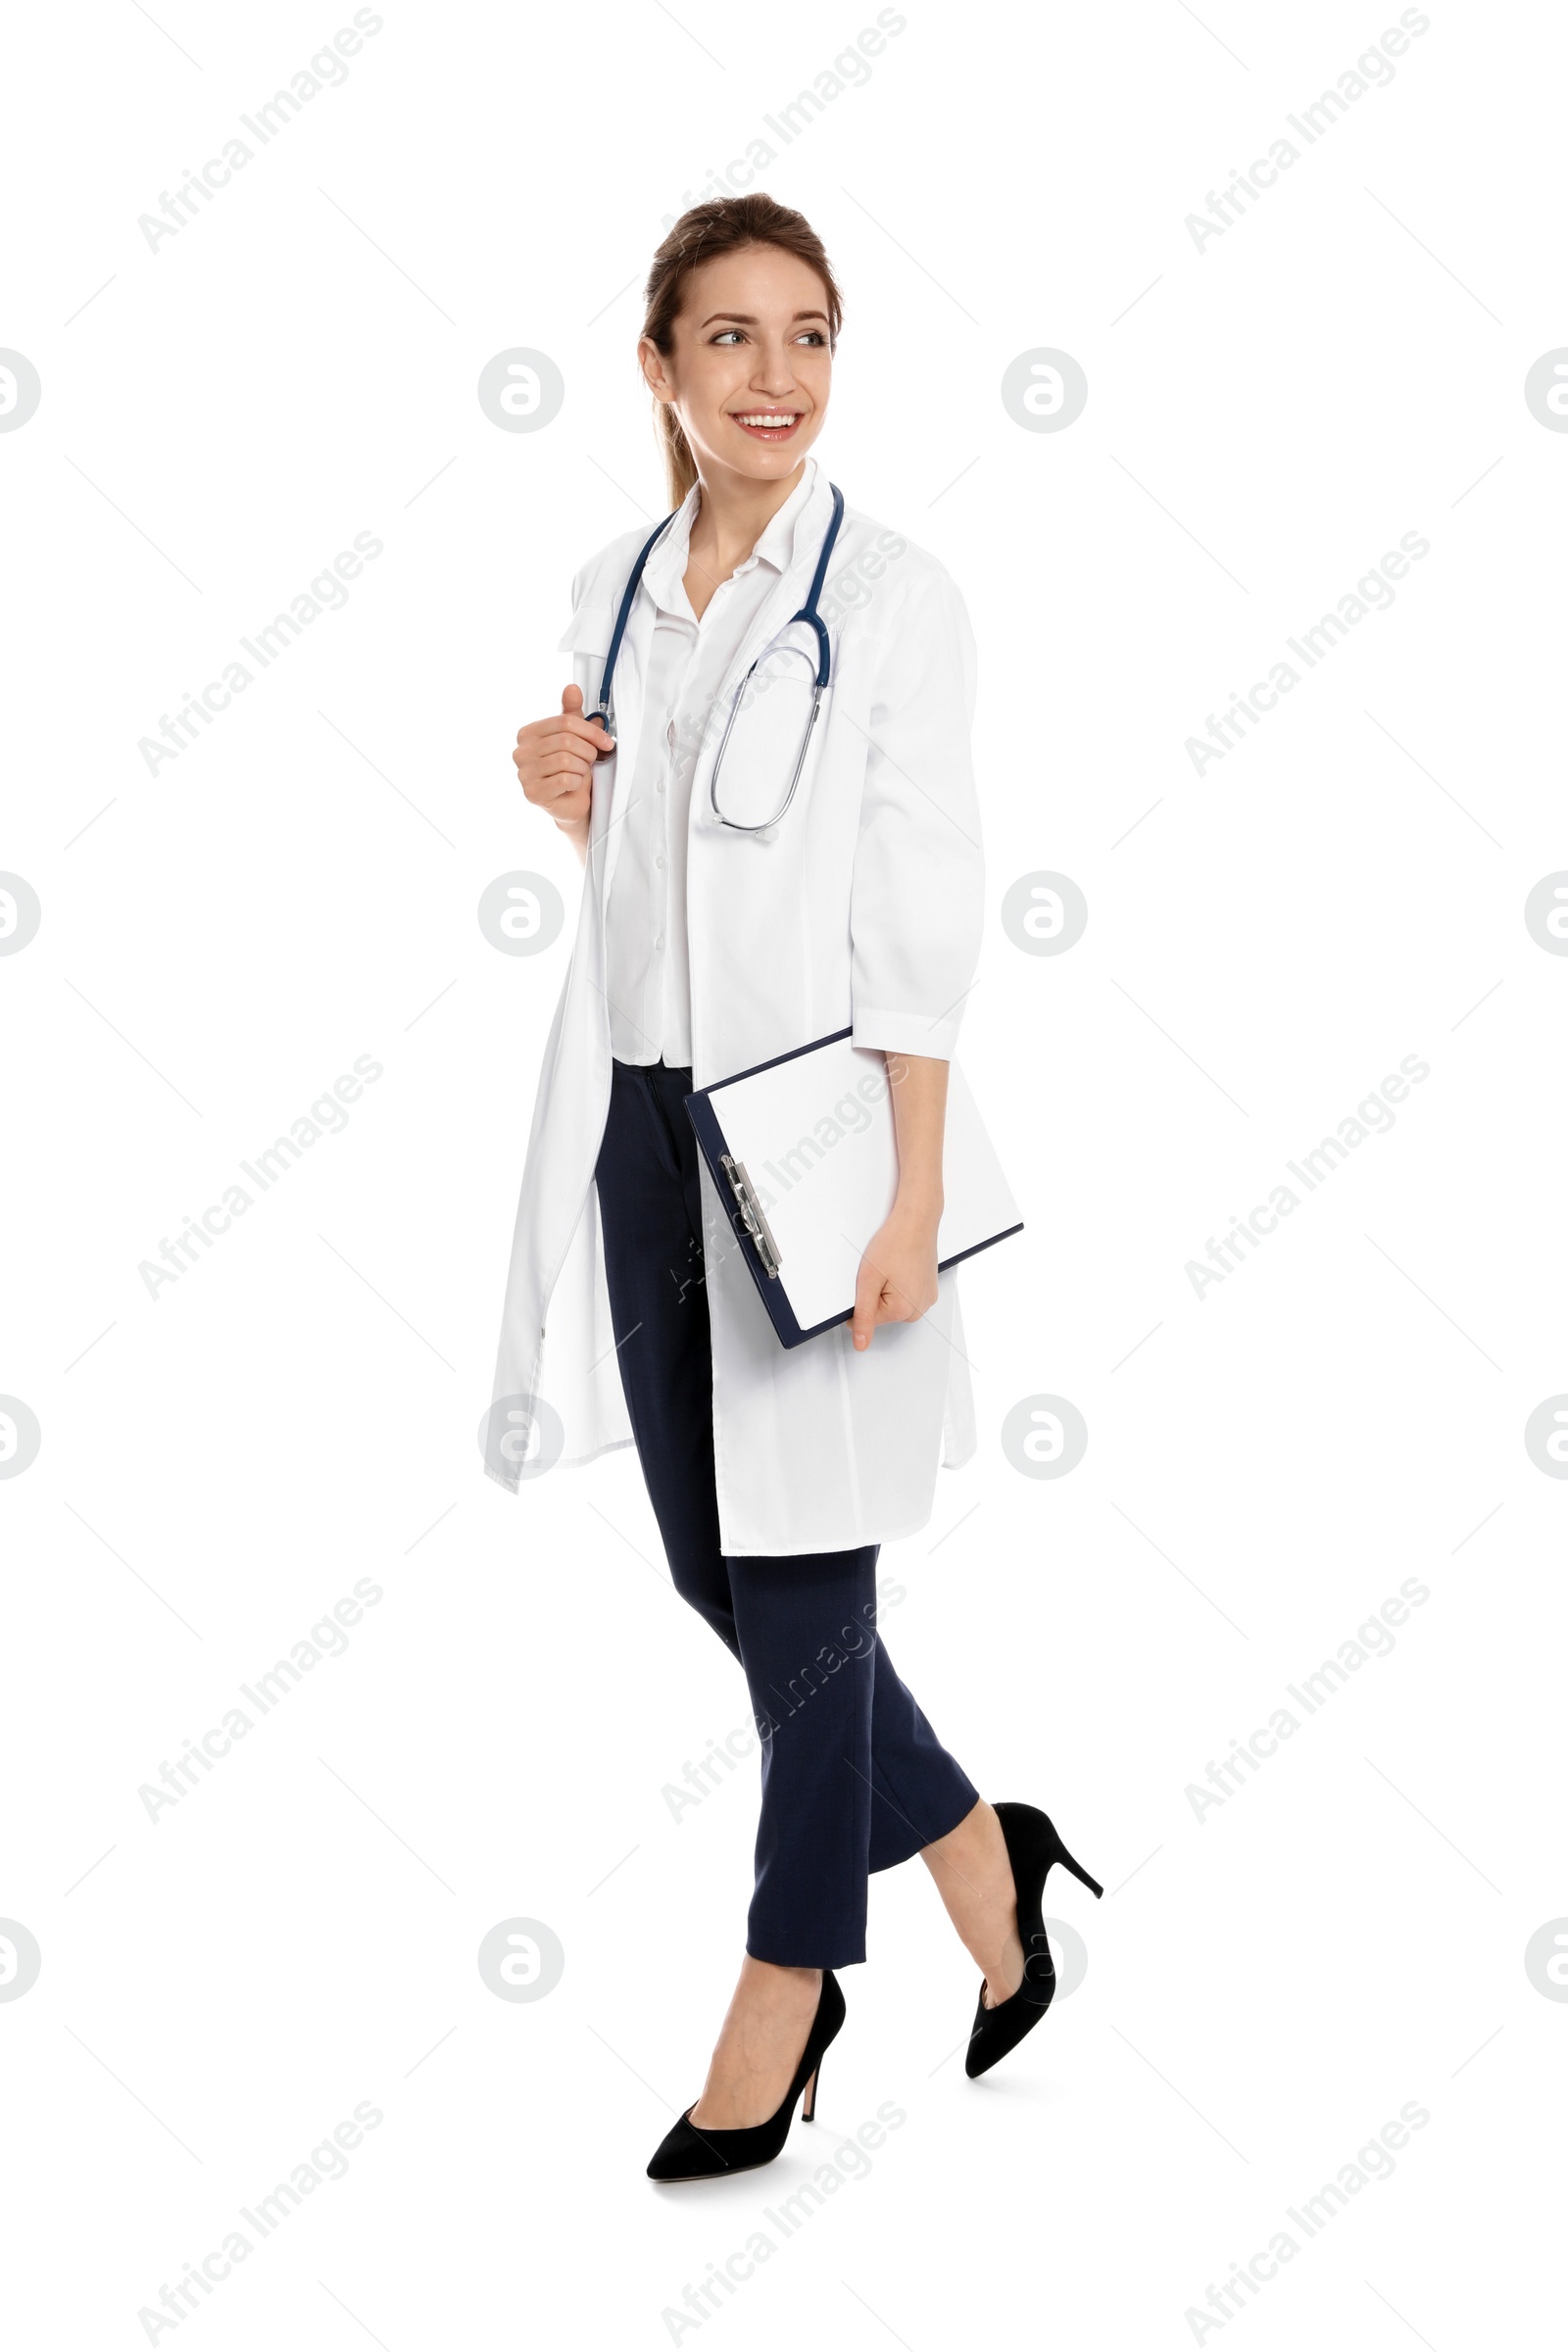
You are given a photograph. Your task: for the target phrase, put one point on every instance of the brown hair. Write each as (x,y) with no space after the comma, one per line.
(724,224)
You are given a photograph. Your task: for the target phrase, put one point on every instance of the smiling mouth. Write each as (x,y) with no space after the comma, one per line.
(769,424)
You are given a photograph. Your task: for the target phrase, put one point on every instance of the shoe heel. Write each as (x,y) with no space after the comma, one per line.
(809,2101)
(1062,1856)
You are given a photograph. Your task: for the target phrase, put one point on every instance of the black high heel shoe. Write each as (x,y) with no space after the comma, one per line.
(1031,1847)
(689,2153)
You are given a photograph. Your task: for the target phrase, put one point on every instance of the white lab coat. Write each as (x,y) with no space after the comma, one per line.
(863,906)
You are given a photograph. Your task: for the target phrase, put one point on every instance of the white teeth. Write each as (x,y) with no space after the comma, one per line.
(784,417)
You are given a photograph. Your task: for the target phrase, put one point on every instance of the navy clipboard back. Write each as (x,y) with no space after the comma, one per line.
(803,1154)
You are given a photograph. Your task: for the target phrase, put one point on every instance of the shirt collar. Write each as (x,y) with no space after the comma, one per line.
(666,566)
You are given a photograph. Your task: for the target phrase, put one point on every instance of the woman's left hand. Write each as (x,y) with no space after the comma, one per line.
(898,1276)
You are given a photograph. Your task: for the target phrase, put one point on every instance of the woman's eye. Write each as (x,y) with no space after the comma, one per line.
(728,334)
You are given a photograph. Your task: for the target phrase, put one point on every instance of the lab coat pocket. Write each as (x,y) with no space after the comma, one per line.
(589,629)
(587,641)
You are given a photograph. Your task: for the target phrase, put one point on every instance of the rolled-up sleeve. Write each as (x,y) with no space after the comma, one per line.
(917,901)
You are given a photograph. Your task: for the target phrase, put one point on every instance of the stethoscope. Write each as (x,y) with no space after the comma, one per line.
(824,664)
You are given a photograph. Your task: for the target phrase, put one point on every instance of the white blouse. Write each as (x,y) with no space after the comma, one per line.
(647,950)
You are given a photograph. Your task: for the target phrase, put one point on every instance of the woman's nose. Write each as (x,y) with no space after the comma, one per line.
(773,373)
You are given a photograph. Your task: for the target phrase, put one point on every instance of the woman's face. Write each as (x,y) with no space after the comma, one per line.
(751,343)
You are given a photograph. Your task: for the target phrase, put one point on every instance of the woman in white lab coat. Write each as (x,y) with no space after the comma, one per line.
(708,941)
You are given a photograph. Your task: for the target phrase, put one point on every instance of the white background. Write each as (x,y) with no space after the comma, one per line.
(1267,1985)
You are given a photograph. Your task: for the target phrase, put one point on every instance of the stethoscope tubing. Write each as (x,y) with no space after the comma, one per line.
(807,614)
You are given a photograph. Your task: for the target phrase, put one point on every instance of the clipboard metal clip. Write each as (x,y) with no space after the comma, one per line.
(750,1214)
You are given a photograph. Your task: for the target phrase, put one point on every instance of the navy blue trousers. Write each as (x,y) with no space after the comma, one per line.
(854,1778)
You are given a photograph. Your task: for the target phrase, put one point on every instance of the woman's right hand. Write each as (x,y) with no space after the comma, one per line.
(554,763)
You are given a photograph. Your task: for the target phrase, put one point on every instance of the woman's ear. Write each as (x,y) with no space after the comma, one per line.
(651,361)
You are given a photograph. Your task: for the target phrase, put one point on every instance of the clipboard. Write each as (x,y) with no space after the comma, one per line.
(804,1155)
